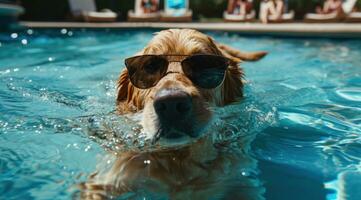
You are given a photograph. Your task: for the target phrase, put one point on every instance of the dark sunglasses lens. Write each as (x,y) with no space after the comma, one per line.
(146,71)
(205,71)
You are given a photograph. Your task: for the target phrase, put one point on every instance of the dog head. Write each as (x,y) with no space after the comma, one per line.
(176,109)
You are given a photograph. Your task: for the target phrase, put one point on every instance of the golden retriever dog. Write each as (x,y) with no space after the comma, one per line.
(175,82)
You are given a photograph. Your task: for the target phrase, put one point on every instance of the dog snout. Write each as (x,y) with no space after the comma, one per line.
(172,105)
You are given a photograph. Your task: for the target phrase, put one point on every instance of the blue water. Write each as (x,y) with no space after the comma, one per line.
(304,101)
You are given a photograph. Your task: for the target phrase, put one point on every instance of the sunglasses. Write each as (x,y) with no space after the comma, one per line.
(205,71)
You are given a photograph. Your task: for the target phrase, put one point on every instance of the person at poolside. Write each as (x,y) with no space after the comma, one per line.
(330,6)
(239,7)
(271,8)
(150,6)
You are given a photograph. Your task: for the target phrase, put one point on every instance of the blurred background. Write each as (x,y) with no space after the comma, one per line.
(203,10)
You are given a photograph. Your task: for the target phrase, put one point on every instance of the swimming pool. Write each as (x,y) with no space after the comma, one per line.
(304,100)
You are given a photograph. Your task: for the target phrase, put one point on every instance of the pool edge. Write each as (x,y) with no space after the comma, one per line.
(339,30)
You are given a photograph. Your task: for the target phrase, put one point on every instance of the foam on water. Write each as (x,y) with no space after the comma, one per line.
(57,92)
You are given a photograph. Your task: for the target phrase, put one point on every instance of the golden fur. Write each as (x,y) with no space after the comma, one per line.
(197,170)
(187,42)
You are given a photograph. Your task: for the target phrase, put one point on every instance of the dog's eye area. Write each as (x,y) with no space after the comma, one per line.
(154,65)
(146,71)
(206,71)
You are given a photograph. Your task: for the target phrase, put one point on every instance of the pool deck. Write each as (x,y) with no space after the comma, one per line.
(343,30)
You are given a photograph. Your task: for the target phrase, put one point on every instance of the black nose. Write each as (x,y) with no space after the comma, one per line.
(172,105)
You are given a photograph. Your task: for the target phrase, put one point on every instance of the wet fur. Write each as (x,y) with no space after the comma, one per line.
(198,170)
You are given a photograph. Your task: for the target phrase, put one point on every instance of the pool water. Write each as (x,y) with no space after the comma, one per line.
(304,99)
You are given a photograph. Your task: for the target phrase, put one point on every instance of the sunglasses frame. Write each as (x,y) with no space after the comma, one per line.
(166,58)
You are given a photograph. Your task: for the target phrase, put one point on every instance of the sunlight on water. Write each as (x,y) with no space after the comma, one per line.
(57,93)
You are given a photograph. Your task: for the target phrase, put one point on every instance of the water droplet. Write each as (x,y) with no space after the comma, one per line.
(50,59)
(30,31)
(24,41)
(63,31)
(70,33)
(16,69)
(14,35)
(87,148)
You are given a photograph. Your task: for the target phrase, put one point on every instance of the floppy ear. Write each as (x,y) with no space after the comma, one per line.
(128,97)
(235,54)
(233,83)
(122,85)
(232,88)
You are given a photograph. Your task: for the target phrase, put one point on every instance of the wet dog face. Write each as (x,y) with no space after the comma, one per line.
(175,109)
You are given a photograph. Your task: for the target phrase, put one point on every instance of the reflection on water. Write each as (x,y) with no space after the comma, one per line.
(57,91)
